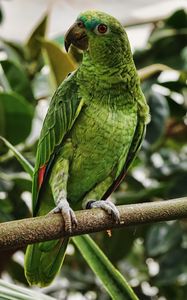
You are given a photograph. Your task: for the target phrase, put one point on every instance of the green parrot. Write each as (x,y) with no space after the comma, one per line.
(92,131)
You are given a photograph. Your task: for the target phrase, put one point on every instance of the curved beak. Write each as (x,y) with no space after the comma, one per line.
(77,36)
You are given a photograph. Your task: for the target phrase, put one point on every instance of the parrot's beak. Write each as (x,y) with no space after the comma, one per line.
(77,36)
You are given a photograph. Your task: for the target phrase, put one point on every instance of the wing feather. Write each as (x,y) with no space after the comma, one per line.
(135,145)
(64,108)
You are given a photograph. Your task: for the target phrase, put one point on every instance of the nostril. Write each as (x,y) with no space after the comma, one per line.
(80,24)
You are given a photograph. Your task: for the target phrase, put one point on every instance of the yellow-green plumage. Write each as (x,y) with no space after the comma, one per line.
(93,129)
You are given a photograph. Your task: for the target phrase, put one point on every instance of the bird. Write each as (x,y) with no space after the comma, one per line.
(91,134)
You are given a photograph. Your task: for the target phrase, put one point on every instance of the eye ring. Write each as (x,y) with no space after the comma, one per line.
(102,28)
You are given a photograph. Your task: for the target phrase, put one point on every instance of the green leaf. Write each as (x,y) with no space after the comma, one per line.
(33,44)
(178,19)
(119,237)
(10,291)
(15,51)
(1,15)
(25,164)
(16,271)
(15,117)
(17,79)
(113,281)
(159,115)
(60,62)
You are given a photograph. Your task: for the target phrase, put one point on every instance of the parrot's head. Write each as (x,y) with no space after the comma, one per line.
(97,33)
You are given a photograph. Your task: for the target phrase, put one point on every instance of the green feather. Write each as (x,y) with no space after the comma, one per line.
(55,127)
(43,264)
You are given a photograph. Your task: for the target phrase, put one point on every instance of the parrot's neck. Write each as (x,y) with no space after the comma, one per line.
(109,67)
(122,76)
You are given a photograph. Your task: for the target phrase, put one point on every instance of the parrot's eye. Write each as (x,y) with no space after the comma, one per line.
(102,29)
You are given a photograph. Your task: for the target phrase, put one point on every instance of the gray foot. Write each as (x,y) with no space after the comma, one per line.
(68,214)
(106,205)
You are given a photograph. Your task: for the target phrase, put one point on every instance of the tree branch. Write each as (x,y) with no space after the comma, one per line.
(16,234)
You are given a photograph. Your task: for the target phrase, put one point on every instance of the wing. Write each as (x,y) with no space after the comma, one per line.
(134,147)
(64,108)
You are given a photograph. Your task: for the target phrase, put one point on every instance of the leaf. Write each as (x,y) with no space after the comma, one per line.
(159,115)
(25,164)
(1,15)
(9,291)
(15,51)
(60,62)
(16,271)
(10,52)
(17,79)
(33,44)
(178,19)
(109,245)
(15,117)
(162,237)
(113,281)
(74,52)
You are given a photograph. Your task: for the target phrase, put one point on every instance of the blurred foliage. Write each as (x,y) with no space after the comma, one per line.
(154,257)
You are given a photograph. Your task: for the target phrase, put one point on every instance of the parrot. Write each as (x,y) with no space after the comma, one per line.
(92,131)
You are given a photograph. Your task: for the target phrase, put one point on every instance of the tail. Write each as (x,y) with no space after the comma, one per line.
(43,261)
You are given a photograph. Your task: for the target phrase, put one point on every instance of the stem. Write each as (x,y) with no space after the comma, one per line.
(16,234)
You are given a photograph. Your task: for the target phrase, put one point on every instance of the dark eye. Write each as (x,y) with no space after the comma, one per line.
(102,28)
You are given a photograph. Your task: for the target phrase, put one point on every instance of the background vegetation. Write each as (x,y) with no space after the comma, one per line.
(152,258)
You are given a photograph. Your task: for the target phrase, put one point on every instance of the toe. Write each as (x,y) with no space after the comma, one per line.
(67,214)
(67,220)
(114,211)
(108,206)
(73,218)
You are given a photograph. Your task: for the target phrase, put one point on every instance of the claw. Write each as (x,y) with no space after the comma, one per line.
(108,206)
(67,214)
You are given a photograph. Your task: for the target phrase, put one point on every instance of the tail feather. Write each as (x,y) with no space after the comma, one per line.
(41,266)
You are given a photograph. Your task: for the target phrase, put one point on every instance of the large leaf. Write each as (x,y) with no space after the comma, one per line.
(60,62)
(119,237)
(113,281)
(10,291)
(33,43)
(23,162)
(1,14)
(178,19)
(17,79)
(159,115)
(16,117)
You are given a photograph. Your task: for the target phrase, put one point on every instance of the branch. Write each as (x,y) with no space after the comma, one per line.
(16,234)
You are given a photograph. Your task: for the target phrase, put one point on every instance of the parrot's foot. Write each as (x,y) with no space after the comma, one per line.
(68,214)
(106,205)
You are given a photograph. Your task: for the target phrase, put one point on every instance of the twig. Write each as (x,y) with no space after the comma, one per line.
(16,234)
